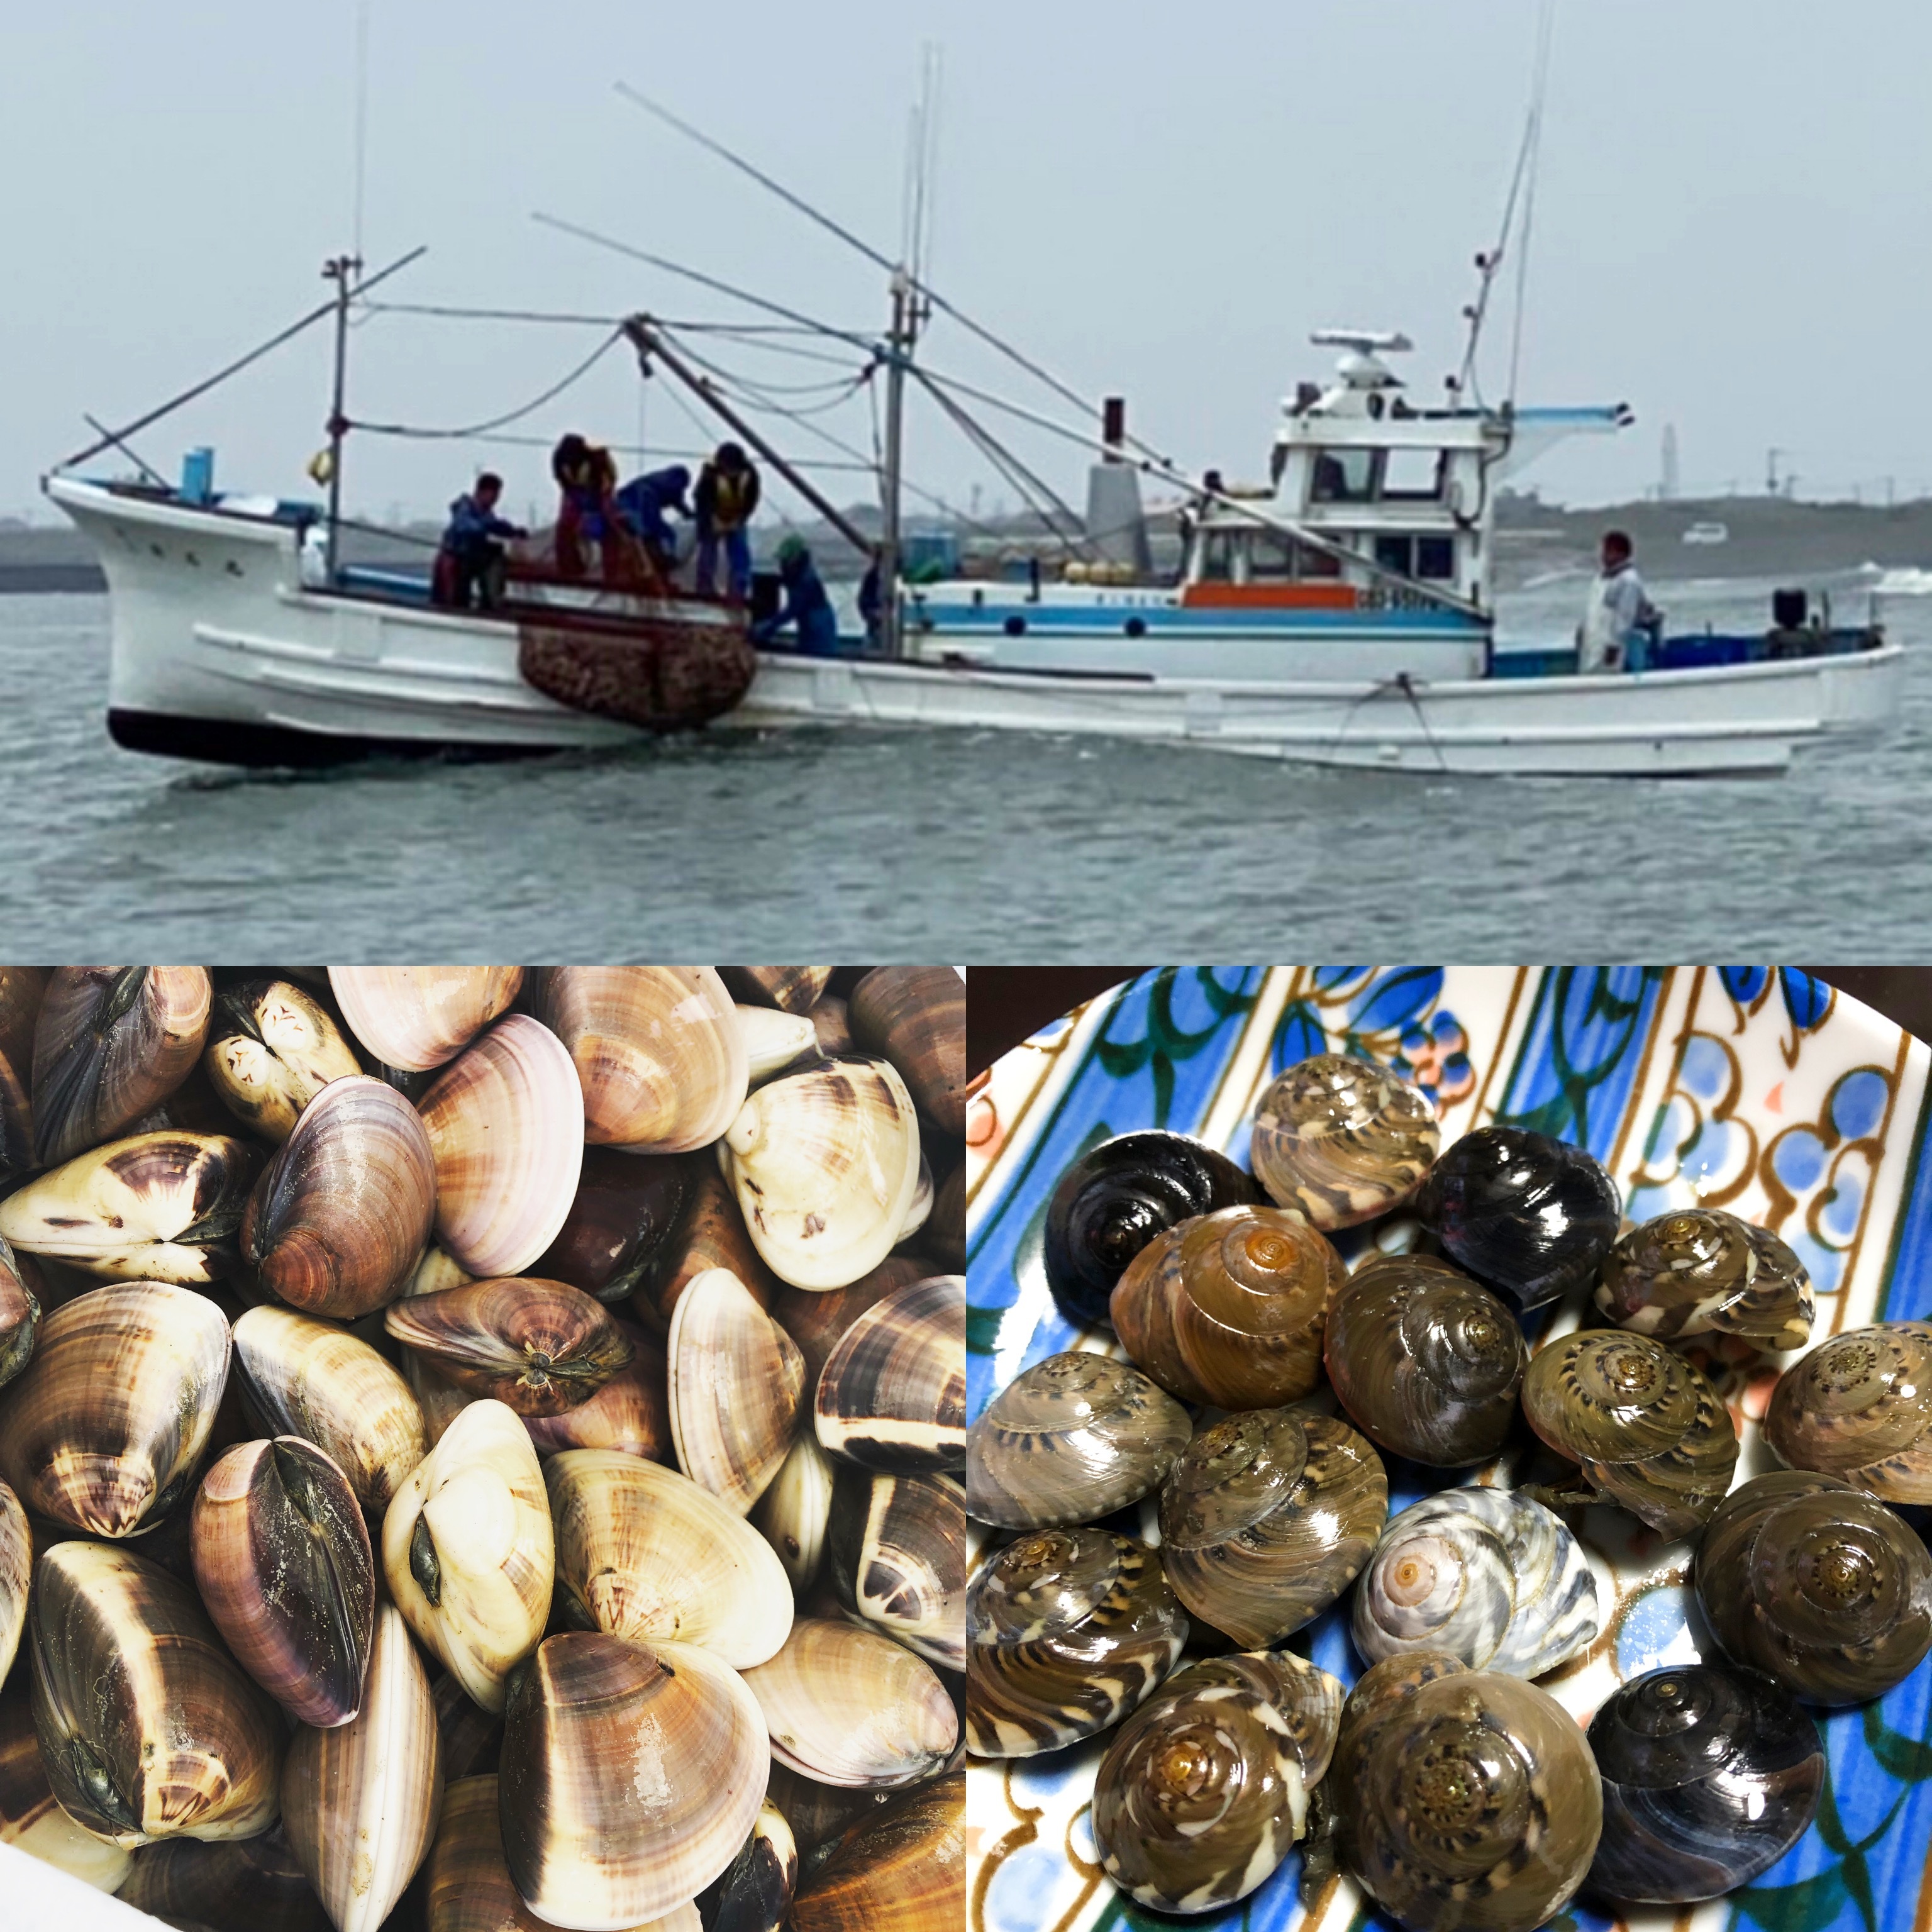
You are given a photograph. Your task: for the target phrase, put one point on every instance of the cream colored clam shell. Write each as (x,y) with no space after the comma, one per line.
(16,1569)
(792,1514)
(825,1164)
(644,1554)
(736,1381)
(505,1124)
(416,1018)
(478,1499)
(266,1076)
(773,1040)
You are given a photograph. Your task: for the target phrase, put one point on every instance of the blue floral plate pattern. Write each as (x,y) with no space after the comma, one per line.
(1757,1089)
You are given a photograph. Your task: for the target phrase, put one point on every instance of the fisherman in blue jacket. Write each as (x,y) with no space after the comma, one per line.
(803,603)
(642,503)
(470,565)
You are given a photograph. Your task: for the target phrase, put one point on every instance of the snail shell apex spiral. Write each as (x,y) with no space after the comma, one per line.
(1859,1407)
(1342,1140)
(1698,1270)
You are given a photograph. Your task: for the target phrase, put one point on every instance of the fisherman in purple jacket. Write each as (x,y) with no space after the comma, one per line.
(470,566)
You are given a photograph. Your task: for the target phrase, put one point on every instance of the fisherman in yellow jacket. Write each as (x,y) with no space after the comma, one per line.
(726,497)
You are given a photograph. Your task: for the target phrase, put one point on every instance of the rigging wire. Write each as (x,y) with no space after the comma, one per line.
(1037,493)
(473,430)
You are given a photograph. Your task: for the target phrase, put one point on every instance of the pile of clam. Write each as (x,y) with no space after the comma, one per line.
(1160,1527)
(480,1446)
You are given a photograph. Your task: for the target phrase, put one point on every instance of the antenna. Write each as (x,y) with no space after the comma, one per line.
(1546,24)
(361,118)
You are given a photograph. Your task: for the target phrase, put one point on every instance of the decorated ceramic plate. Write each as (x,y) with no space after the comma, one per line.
(1758,1090)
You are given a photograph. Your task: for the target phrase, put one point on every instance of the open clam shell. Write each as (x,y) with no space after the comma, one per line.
(631,1778)
(271,1048)
(774,1041)
(468,1551)
(506,1127)
(302,1377)
(157,1206)
(846,1706)
(644,1554)
(628,1207)
(147,1728)
(901,1871)
(19,1313)
(892,1393)
(283,1562)
(657,1050)
(16,1570)
(29,1817)
(109,1042)
(712,1235)
(736,1379)
(22,989)
(540,1346)
(896,1556)
(103,1429)
(235,1885)
(341,1215)
(825,1165)
(416,1018)
(361,1802)
(629,1412)
(915,1016)
(794,1512)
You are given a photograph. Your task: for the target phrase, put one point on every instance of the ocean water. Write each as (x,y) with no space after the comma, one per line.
(871,845)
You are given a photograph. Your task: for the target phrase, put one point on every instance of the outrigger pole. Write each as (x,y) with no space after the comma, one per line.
(340,269)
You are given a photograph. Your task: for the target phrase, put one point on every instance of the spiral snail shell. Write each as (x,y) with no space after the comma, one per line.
(1206,1787)
(1489,1575)
(1710,1775)
(1066,1631)
(1859,1406)
(1817,1585)
(1342,1140)
(1698,1270)
(1426,1362)
(1228,1308)
(1266,1518)
(1071,1438)
(1650,1431)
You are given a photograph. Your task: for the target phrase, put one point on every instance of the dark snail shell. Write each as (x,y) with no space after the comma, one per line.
(1342,1140)
(1859,1406)
(892,1393)
(1117,1197)
(1206,1787)
(1710,1775)
(1066,1631)
(895,1554)
(1266,1518)
(1466,1799)
(1529,1216)
(1426,1362)
(1817,1585)
(628,1207)
(1069,1439)
(1228,1308)
(1698,1270)
(1650,1431)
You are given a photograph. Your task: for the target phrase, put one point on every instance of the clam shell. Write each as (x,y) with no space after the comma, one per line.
(895,1549)
(816,1318)
(657,1049)
(157,1207)
(237,1885)
(736,1381)
(792,989)
(892,1393)
(644,1554)
(283,1562)
(917,1214)
(19,1313)
(792,1513)
(29,1817)
(147,1727)
(825,1165)
(847,1707)
(340,1217)
(109,1042)
(16,1569)
(831,1021)
(416,1018)
(271,1048)
(631,1778)
(468,1552)
(627,1208)
(472,1738)
(915,1016)
(539,1346)
(361,1802)
(944,1237)
(711,1236)
(301,1377)
(773,1040)
(22,989)
(754,1893)
(506,1126)
(103,1429)
(903,1871)
(817,1813)
(630,1412)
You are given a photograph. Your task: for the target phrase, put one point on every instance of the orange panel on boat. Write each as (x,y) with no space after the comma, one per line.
(1269,597)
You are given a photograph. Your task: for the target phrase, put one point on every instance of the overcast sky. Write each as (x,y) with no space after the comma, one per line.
(1732,217)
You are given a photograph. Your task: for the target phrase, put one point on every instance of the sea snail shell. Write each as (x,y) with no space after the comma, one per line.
(1859,1407)
(1066,1631)
(1426,1362)
(1489,1576)
(1650,1431)
(1229,1309)
(1206,1787)
(1698,1270)
(1710,1775)
(1266,1518)
(1342,1140)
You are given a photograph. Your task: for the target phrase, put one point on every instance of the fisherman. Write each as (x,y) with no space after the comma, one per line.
(803,602)
(727,495)
(586,482)
(642,504)
(1619,620)
(470,565)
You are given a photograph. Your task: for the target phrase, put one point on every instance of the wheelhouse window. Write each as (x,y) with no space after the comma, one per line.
(1430,560)
(1271,557)
(1412,476)
(1343,476)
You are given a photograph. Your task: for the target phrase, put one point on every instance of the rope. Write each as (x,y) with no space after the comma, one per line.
(472,430)
(1402,682)
(1009,466)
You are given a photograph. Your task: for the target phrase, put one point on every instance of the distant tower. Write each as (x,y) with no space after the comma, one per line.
(1667,484)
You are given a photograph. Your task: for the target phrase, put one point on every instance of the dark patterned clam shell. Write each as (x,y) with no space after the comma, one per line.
(892,1393)
(1342,1140)
(629,1207)
(895,1554)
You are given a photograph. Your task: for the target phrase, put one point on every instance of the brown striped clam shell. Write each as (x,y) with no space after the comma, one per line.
(892,1392)
(22,989)
(272,1047)
(712,1235)
(29,1817)
(630,1412)
(417,1017)
(627,1209)
(831,1019)
(915,1016)
(901,1870)
(792,989)
(816,1318)
(232,1885)
(895,1554)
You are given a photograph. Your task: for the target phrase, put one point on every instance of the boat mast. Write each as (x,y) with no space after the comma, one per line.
(342,270)
(899,353)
